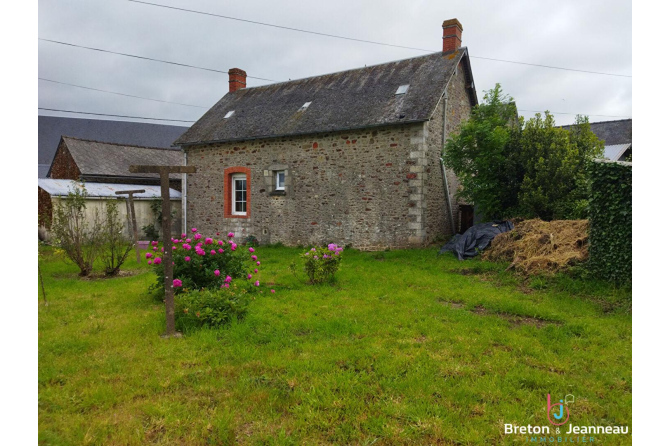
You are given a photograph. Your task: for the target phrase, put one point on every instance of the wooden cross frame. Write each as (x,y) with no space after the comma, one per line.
(130,206)
(165,172)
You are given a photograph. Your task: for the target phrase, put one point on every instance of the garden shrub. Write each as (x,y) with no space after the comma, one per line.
(321,263)
(205,263)
(116,246)
(72,232)
(211,308)
(611,221)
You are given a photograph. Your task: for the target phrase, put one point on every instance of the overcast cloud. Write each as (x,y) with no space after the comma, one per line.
(592,35)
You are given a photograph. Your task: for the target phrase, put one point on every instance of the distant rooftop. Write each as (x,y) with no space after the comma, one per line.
(612,132)
(60,188)
(51,128)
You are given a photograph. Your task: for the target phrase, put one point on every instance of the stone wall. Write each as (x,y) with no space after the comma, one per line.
(360,188)
(438,226)
(63,166)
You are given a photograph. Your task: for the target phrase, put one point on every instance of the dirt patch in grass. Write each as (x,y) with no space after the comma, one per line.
(514,319)
(451,304)
(536,246)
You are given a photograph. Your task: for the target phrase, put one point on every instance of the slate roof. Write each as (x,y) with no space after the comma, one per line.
(612,132)
(359,98)
(60,188)
(51,128)
(98,160)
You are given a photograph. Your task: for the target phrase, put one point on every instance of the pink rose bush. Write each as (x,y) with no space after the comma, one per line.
(321,263)
(209,269)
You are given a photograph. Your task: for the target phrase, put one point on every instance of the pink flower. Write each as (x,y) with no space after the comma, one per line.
(256,283)
(256,271)
(198,236)
(187,259)
(154,248)
(188,240)
(149,262)
(208,241)
(258,263)
(162,249)
(231,235)
(194,229)
(186,247)
(272,291)
(220,242)
(316,257)
(254,258)
(176,283)
(248,276)
(217,273)
(157,261)
(233,247)
(218,233)
(198,245)
(228,279)
(148,255)
(174,247)
(251,249)
(220,250)
(154,243)
(212,252)
(183,236)
(227,285)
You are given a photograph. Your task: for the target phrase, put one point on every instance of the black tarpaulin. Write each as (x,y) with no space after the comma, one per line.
(476,239)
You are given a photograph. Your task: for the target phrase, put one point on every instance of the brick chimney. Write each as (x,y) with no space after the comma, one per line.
(236,79)
(451,35)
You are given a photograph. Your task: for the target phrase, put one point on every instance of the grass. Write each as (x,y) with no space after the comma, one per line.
(404,348)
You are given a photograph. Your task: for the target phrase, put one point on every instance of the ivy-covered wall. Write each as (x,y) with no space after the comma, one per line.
(611,221)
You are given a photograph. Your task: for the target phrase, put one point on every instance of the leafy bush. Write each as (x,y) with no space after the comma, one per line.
(150,232)
(510,167)
(321,263)
(210,308)
(611,221)
(205,263)
(81,241)
(116,246)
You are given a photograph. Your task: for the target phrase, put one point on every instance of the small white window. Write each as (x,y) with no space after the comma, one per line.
(229,114)
(239,194)
(304,106)
(402,89)
(280,178)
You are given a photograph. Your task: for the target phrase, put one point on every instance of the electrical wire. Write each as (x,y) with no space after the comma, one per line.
(106,114)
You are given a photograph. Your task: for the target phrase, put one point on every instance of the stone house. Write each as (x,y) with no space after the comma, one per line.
(351,157)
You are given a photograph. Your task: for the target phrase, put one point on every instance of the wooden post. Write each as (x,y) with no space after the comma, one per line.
(131,206)
(165,172)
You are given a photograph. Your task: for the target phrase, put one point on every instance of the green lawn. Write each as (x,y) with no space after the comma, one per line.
(405,348)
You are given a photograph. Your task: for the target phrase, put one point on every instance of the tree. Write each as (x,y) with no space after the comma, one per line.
(116,247)
(555,184)
(80,240)
(485,155)
(509,167)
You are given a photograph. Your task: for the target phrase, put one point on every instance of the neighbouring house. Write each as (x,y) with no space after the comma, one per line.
(51,191)
(51,128)
(618,137)
(101,162)
(351,157)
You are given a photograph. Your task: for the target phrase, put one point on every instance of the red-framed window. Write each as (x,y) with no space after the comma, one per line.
(236,192)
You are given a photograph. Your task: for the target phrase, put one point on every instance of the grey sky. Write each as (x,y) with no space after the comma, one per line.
(591,35)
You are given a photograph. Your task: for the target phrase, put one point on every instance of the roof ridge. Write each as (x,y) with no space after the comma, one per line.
(463,48)
(118,144)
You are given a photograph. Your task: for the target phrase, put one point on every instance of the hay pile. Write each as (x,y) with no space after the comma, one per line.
(536,246)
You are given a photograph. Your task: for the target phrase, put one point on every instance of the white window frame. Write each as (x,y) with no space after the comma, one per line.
(277,187)
(233,181)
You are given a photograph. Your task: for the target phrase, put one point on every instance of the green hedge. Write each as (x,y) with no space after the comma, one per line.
(611,221)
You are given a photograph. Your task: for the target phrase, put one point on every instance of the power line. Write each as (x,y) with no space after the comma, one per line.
(575,114)
(106,114)
(117,93)
(367,41)
(147,58)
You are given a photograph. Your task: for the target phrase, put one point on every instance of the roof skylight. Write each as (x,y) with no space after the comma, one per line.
(304,106)
(229,114)
(402,89)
